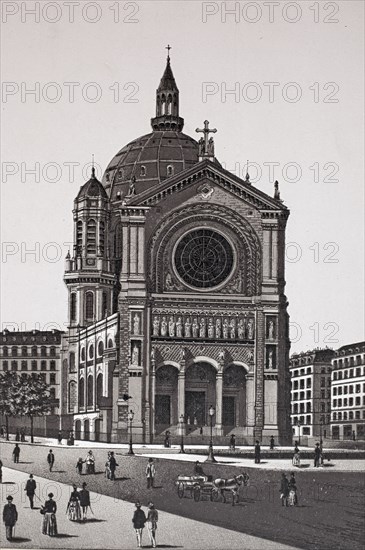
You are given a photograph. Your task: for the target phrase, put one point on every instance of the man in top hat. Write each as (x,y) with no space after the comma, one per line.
(84,496)
(10,517)
(30,488)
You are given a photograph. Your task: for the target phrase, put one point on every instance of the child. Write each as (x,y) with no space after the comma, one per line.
(79,465)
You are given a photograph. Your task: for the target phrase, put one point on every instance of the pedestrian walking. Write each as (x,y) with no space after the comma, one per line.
(232,443)
(84,496)
(17,435)
(30,488)
(152,519)
(79,465)
(150,473)
(22,434)
(73,509)
(317,455)
(139,520)
(10,517)
(292,486)
(284,490)
(90,463)
(112,465)
(272,443)
(49,524)
(50,460)
(296,456)
(257,452)
(59,437)
(16,453)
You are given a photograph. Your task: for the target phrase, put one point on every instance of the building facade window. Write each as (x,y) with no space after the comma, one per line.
(73,307)
(52,365)
(89,305)
(34,365)
(91,237)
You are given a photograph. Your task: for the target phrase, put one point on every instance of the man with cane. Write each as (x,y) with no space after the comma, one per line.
(30,488)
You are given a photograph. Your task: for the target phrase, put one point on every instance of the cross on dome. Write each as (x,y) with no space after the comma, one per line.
(168,48)
(206,143)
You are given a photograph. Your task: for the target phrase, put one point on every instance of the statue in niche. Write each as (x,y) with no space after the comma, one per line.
(225,328)
(218,328)
(171,327)
(241,329)
(250,356)
(250,329)
(169,285)
(163,327)
(187,328)
(136,323)
(271,330)
(270,359)
(179,327)
(156,326)
(132,187)
(183,353)
(210,328)
(202,330)
(222,355)
(153,354)
(135,355)
(195,328)
(232,327)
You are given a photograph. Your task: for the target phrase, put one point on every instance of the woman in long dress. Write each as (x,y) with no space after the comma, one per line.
(90,463)
(73,507)
(49,524)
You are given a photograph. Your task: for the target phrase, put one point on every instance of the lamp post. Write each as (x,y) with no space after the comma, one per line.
(182,434)
(298,424)
(210,453)
(130,418)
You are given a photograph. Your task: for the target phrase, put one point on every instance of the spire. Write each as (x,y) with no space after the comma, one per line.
(93,168)
(167,101)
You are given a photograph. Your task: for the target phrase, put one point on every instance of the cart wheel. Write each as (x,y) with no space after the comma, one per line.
(180,490)
(214,495)
(197,493)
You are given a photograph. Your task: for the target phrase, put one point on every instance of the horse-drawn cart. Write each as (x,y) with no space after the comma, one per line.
(196,487)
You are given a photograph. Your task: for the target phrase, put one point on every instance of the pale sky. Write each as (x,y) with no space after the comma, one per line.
(308,51)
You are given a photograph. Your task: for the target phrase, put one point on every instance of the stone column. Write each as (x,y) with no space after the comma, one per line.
(181,391)
(259,375)
(219,403)
(153,393)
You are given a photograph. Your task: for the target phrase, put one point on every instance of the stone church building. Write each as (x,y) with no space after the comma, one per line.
(176,294)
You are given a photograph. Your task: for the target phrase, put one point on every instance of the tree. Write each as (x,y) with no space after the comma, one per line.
(31,397)
(8,407)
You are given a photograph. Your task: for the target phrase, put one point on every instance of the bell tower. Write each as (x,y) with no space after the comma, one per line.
(88,275)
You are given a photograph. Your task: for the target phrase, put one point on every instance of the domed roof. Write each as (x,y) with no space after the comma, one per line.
(149,160)
(92,188)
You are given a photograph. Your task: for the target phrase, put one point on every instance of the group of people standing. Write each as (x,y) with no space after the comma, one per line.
(78,504)
(139,520)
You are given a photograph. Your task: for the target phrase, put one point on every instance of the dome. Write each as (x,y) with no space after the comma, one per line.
(149,160)
(92,188)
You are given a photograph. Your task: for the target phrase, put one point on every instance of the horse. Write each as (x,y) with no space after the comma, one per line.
(231,485)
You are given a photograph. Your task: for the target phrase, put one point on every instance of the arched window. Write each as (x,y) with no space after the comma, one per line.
(79,237)
(163,105)
(24,351)
(5,351)
(90,391)
(143,171)
(72,396)
(14,351)
(34,365)
(100,348)
(89,305)
(99,389)
(91,351)
(14,365)
(44,365)
(24,365)
(91,237)
(104,305)
(170,170)
(71,357)
(169,104)
(34,351)
(82,393)
(73,307)
(110,343)
(82,354)
(52,352)
(44,351)
(101,237)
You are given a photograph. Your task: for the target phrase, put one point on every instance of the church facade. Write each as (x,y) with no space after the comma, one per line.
(176,294)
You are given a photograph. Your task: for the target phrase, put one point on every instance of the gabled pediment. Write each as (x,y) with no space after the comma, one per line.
(207,171)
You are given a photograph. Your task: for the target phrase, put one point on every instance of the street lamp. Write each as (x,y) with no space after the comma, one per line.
(182,434)
(130,418)
(210,453)
(298,424)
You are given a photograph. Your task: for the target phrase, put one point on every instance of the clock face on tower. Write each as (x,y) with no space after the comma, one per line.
(203,258)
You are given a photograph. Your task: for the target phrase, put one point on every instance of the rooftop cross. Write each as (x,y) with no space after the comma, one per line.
(206,131)
(168,48)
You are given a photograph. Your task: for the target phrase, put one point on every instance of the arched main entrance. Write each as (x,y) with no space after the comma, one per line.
(87,429)
(200,393)
(234,397)
(78,429)
(166,397)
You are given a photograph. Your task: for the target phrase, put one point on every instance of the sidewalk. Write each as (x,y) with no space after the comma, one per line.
(111,527)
